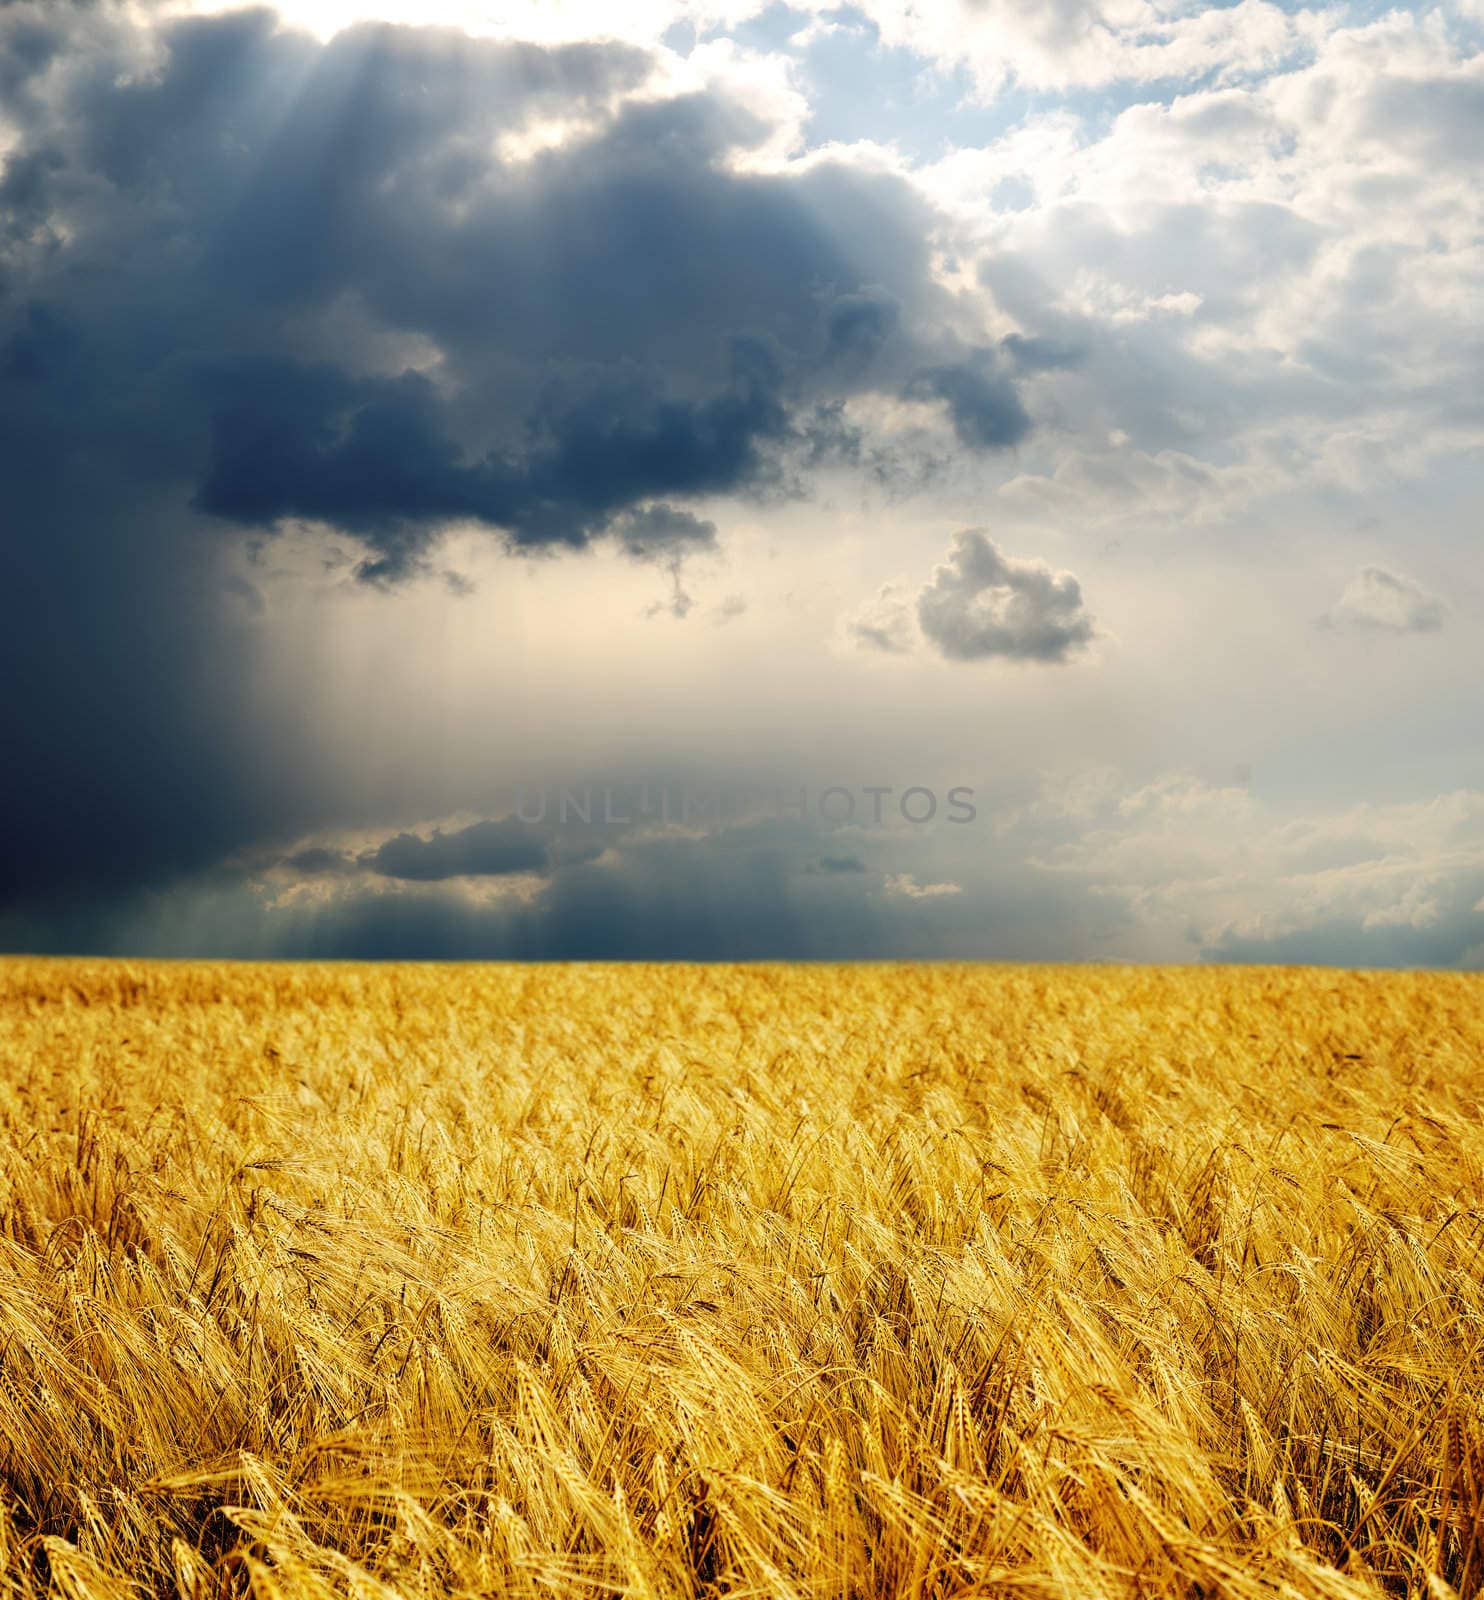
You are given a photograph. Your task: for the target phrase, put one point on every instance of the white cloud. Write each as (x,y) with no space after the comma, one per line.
(1084,42)
(905,886)
(1376,600)
(1273,279)
(1214,865)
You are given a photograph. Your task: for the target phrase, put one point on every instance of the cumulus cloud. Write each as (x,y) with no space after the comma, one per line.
(979,604)
(982,604)
(1378,601)
(1250,319)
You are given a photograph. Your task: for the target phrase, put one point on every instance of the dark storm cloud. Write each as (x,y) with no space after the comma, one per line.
(617,319)
(490,848)
(246,276)
(859,324)
(378,458)
(981,400)
(744,893)
(482,850)
(187,213)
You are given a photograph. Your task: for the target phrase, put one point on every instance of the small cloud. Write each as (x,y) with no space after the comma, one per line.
(661,533)
(906,886)
(680,602)
(733,606)
(482,850)
(841,864)
(665,536)
(981,603)
(884,622)
(1378,601)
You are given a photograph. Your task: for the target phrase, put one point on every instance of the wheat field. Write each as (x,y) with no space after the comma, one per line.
(773,1281)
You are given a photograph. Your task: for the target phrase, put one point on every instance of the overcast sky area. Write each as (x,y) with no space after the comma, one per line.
(974,478)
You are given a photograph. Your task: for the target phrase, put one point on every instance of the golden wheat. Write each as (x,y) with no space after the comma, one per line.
(671,1281)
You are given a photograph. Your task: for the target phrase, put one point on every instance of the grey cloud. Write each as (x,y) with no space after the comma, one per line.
(982,604)
(737,895)
(379,459)
(1144,375)
(620,318)
(665,536)
(1042,353)
(192,213)
(661,533)
(1437,117)
(981,399)
(483,850)
(884,622)
(678,604)
(860,323)
(1378,601)
(875,637)
(1080,872)
(1453,938)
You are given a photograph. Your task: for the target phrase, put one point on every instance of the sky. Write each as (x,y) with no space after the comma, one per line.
(690,480)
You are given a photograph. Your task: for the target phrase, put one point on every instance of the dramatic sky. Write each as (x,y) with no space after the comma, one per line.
(411,411)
